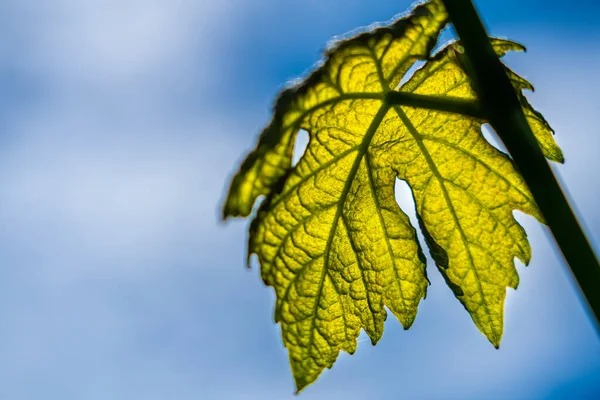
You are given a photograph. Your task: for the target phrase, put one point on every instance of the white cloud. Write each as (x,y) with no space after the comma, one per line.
(117,281)
(102,162)
(98,42)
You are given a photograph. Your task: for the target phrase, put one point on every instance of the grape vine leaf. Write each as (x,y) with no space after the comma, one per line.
(329,235)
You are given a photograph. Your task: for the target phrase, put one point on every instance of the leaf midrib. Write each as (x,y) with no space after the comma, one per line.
(364,146)
(432,166)
(383,225)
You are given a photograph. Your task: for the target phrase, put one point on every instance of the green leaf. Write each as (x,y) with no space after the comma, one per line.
(329,235)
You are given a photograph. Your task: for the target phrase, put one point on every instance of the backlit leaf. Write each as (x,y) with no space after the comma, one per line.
(329,235)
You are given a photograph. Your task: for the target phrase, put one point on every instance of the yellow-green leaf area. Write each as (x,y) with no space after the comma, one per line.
(329,235)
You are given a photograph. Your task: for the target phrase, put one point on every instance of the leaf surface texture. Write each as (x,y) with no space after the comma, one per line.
(329,234)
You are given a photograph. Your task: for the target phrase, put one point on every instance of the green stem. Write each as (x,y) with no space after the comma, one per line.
(504,113)
(457,105)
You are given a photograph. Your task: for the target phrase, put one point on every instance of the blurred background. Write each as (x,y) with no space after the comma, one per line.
(120,124)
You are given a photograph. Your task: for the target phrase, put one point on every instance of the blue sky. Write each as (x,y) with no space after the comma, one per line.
(120,122)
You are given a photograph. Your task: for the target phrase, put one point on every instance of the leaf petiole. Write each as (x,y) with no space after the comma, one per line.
(456,105)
